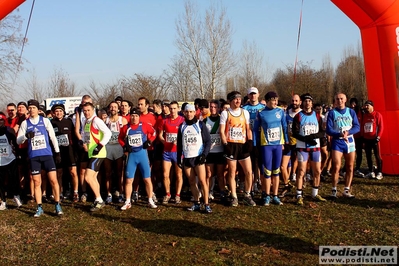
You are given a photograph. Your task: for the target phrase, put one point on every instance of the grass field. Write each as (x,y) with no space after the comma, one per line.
(170,235)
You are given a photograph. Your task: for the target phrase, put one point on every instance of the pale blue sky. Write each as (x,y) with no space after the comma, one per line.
(104,40)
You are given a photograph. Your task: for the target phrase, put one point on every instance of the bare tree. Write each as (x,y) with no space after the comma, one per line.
(148,86)
(205,44)
(250,65)
(180,77)
(33,89)
(11,41)
(60,85)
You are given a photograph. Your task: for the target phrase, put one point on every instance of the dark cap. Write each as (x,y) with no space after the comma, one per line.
(118,98)
(369,102)
(306,96)
(134,111)
(58,106)
(270,95)
(22,103)
(203,103)
(34,103)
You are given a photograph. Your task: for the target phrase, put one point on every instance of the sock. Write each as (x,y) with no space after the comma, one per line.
(56,203)
(264,195)
(39,205)
(99,199)
(177,195)
(315,191)
(298,193)
(128,200)
(150,200)
(75,191)
(334,188)
(346,189)
(168,194)
(247,193)
(109,194)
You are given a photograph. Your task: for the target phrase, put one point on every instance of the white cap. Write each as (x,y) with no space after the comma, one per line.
(253,90)
(189,107)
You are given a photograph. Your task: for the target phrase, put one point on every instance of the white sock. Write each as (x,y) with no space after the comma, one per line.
(314,191)
(99,199)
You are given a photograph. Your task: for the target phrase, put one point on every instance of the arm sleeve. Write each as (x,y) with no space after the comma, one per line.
(99,124)
(21,133)
(255,129)
(296,124)
(330,126)
(179,143)
(122,136)
(285,128)
(206,139)
(355,123)
(380,125)
(151,133)
(51,134)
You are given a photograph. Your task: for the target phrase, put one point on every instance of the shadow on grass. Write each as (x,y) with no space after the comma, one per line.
(368,203)
(190,229)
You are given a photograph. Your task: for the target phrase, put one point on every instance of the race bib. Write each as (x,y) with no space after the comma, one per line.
(236,133)
(309,129)
(171,137)
(38,143)
(63,140)
(114,138)
(191,139)
(4,151)
(135,140)
(215,140)
(368,127)
(273,134)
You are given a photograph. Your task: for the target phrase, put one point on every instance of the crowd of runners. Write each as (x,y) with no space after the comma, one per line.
(241,146)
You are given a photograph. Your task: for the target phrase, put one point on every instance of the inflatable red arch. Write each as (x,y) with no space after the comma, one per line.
(378,21)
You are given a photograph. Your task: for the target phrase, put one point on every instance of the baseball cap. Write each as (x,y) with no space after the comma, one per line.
(253,90)
(369,102)
(271,94)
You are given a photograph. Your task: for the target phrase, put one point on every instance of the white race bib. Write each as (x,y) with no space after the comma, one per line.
(171,137)
(63,140)
(4,151)
(273,134)
(309,129)
(236,133)
(135,140)
(38,143)
(368,127)
(114,138)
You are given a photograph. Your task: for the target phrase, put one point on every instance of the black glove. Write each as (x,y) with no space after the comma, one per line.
(127,149)
(30,134)
(201,159)
(97,150)
(227,150)
(310,140)
(80,143)
(146,144)
(249,144)
(57,158)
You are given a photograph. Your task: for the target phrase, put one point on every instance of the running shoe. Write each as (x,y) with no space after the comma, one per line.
(334,194)
(154,197)
(152,205)
(359,174)
(108,200)
(135,196)
(121,198)
(299,201)
(126,206)
(277,201)
(3,206)
(83,198)
(370,175)
(97,206)
(347,194)
(195,207)
(58,209)
(234,202)
(287,189)
(266,201)
(208,209)
(166,199)
(39,212)
(249,201)
(75,197)
(177,200)
(319,198)
(17,201)
(379,176)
